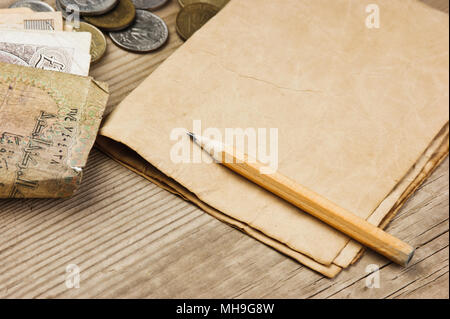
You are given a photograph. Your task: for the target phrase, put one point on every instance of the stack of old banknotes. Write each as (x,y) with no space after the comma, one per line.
(41,40)
(50,110)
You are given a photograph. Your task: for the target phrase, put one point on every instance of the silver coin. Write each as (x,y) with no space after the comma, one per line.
(34,5)
(149,4)
(66,12)
(58,6)
(89,7)
(148,33)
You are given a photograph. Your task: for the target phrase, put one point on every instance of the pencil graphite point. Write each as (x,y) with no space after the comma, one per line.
(191,135)
(212,147)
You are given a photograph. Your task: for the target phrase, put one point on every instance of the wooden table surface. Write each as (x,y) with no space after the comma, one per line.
(131,239)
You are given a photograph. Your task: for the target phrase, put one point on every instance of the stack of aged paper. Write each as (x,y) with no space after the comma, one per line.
(362,114)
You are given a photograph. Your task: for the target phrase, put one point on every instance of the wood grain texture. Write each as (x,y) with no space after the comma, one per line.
(132,239)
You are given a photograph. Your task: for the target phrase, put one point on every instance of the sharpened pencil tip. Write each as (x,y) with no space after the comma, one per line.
(191,135)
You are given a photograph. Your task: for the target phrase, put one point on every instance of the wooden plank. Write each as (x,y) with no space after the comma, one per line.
(133,239)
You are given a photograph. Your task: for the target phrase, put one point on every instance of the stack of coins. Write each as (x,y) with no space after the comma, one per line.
(195,13)
(128,22)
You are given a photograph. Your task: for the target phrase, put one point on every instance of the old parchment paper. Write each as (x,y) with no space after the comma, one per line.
(362,114)
(48,124)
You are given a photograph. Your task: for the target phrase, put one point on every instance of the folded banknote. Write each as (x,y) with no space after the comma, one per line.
(48,124)
(66,52)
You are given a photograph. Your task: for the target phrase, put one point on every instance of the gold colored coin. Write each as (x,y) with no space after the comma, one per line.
(218,3)
(98,43)
(193,17)
(119,18)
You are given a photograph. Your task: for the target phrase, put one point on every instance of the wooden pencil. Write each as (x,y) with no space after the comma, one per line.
(314,204)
